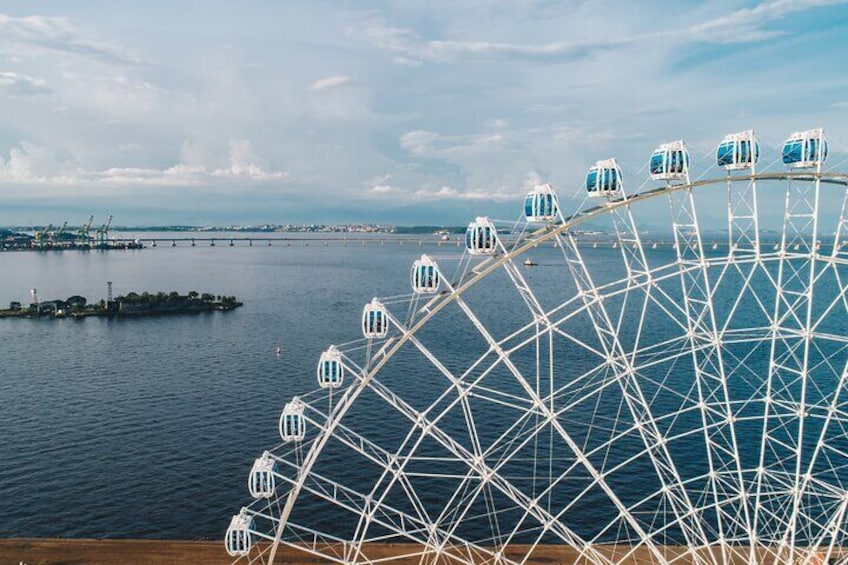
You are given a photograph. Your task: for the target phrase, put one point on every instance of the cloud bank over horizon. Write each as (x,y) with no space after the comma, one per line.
(332,111)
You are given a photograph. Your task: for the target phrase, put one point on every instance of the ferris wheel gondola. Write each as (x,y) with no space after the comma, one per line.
(238,538)
(292,423)
(738,151)
(375,321)
(540,204)
(425,276)
(805,149)
(604,179)
(330,368)
(670,161)
(261,482)
(481,237)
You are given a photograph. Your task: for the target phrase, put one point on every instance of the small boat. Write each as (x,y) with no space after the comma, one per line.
(277,351)
(529,262)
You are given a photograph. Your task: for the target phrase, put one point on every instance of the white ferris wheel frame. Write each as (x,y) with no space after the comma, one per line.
(704,334)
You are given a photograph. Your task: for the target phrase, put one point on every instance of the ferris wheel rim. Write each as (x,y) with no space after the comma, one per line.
(492,264)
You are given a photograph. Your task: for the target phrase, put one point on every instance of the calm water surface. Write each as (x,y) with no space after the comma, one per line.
(148,427)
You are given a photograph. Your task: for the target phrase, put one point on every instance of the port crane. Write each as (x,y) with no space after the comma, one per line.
(40,235)
(83,240)
(56,236)
(102,233)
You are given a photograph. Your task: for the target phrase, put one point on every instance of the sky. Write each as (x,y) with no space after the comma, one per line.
(225,112)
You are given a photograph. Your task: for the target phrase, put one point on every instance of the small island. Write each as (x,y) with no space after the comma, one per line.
(131,305)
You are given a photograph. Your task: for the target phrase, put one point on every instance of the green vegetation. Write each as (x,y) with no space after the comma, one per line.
(132,304)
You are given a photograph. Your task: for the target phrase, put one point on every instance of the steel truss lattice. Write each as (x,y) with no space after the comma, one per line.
(685,405)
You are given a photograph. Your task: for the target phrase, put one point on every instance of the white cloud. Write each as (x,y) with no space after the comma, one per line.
(450,193)
(245,163)
(32,164)
(58,34)
(427,143)
(450,108)
(442,193)
(384,189)
(330,82)
(745,25)
(15,84)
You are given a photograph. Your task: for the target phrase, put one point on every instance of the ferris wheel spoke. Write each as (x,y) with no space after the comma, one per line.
(639,409)
(803,489)
(708,363)
(398,523)
(547,412)
(375,383)
(743,215)
(789,357)
(486,473)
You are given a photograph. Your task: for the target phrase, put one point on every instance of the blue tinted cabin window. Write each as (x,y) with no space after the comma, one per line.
(744,152)
(725,154)
(812,150)
(592,181)
(528,205)
(792,151)
(657,163)
(675,162)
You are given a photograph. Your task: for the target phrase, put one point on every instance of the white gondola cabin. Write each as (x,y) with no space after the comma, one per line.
(292,421)
(805,149)
(425,276)
(540,204)
(670,161)
(481,237)
(237,539)
(375,320)
(261,483)
(330,369)
(738,151)
(604,179)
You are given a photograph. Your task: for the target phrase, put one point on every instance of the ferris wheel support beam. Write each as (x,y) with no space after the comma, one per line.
(717,416)
(467,415)
(640,411)
(463,393)
(344,497)
(486,473)
(789,357)
(830,530)
(743,216)
(833,525)
(550,523)
(550,415)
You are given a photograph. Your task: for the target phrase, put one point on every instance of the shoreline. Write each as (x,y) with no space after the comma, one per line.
(62,551)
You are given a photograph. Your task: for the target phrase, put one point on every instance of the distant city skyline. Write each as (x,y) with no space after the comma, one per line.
(387,112)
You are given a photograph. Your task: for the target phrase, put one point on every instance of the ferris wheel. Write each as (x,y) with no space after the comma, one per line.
(631,400)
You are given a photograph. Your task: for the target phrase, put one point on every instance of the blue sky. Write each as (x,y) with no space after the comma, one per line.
(403,112)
